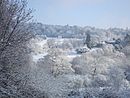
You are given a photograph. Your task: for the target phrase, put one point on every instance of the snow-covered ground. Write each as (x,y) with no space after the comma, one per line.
(39,48)
(40,44)
(38,56)
(72,54)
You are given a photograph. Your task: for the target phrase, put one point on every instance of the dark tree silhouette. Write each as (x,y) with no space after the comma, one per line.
(88,40)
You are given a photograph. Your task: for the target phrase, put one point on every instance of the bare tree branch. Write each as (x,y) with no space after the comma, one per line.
(13,16)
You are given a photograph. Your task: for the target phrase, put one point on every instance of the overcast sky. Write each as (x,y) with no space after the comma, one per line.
(98,13)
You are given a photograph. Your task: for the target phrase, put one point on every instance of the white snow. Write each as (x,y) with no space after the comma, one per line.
(38,53)
(41,43)
(72,54)
(36,57)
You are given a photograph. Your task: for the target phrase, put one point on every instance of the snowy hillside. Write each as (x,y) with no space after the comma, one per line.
(62,72)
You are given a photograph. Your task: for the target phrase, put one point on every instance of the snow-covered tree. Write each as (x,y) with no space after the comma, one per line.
(14,58)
